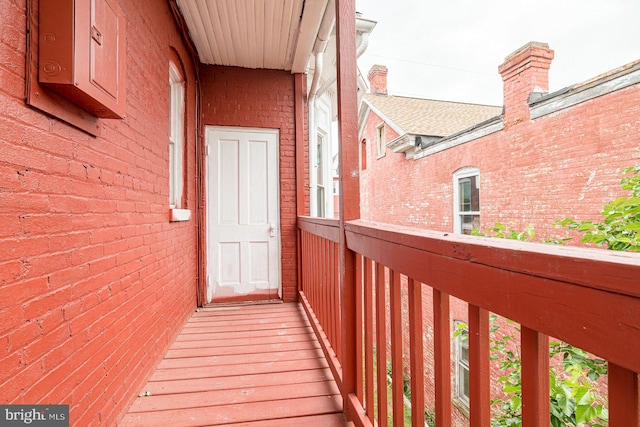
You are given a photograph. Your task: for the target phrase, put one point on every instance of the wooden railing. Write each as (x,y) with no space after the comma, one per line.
(319,285)
(589,298)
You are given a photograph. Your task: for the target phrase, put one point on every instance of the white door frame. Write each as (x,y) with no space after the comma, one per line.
(272,226)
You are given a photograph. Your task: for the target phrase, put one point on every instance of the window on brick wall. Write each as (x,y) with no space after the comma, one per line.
(466,200)
(380,140)
(461,354)
(176,136)
(363,154)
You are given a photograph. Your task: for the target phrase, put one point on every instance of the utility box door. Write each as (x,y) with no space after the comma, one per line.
(82,53)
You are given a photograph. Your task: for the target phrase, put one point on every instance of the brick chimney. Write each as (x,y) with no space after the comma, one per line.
(378,80)
(523,72)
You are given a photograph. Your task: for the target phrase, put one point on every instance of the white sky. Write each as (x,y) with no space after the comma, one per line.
(451,49)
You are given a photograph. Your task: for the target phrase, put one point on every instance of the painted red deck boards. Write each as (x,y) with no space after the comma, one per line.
(242,365)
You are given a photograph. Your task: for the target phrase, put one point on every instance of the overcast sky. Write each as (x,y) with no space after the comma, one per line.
(451,49)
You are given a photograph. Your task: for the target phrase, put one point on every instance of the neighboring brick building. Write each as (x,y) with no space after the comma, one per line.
(548,156)
(542,158)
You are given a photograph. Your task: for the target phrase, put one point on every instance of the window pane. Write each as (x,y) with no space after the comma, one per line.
(470,222)
(464,187)
(474,195)
(320,200)
(319,162)
(464,383)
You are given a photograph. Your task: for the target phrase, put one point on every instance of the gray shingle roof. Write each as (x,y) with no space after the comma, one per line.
(430,117)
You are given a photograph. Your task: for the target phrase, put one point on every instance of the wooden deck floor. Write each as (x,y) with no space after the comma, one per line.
(255,365)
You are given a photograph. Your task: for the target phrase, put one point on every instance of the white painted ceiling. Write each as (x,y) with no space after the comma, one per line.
(273,34)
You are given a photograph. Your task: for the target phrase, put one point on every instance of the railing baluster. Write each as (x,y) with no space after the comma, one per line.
(442,357)
(368,337)
(397,378)
(416,353)
(535,378)
(479,373)
(336,298)
(324,294)
(623,397)
(381,345)
(359,331)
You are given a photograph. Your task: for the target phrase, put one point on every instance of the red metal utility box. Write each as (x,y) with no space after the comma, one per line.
(82,53)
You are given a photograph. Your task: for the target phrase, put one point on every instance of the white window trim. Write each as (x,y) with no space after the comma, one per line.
(381,136)
(460,399)
(465,172)
(176,141)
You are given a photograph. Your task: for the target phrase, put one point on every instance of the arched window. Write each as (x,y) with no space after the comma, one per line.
(176,135)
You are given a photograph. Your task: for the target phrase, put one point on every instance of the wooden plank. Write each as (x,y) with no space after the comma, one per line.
(266,316)
(235,360)
(624,404)
(241,350)
(235,370)
(326,420)
(416,357)
(203,335)
(230,414)
(248,321)
(247,327)
(442,357)
(397,376)
(222,383)
(212,398)
(242,309)
(535,378)
(244,341)
(479,369)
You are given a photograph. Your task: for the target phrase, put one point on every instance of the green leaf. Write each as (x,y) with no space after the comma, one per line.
(585,413)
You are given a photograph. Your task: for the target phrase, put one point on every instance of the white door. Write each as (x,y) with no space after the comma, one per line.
(243,218)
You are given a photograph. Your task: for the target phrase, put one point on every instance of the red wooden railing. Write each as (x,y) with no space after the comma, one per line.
(319,287)
(589,298)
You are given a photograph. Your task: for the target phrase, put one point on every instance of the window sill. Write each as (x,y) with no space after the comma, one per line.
(177,215)
(460,406)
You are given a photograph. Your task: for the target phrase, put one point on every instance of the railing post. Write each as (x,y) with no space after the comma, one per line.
(623,397)
(479,373)
(349,188)
(535,378)
(442,357)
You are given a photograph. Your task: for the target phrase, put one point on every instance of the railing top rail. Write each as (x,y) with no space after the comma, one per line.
(323,227)
(612,271)
(587,297)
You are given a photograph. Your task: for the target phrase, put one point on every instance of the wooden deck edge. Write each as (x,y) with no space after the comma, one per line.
(329,353)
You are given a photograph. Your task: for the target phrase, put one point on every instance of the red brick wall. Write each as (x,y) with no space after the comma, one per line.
(94,280)
(261,99)
(567,164)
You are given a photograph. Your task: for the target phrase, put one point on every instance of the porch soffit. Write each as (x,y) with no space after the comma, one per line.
(272,34)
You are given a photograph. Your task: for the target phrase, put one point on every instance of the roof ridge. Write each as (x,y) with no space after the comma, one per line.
(430,99)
